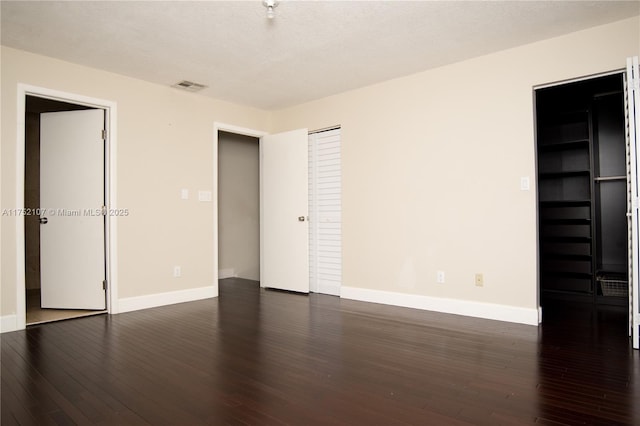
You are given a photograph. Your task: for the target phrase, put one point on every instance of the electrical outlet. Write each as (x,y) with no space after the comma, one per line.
(479,280)
(440,277)
(177,272)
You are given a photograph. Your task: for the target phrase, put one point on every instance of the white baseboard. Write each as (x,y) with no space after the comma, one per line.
(226,273)
(449,306)
(330,289)
(8,323)
(129,304)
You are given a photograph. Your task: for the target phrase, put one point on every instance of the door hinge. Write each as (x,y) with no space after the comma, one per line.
(104,134)
(104,284)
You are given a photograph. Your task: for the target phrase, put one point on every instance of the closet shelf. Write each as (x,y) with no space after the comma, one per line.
(564,145)
(563,203)
(565,274)
(576,111)
(564,174)
(566,221)
(565,256)
(561,117)
(557,239)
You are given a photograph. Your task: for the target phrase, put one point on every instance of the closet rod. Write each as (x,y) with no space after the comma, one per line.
(600,179)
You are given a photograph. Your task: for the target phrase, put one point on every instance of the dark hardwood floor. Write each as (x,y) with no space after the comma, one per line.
(257,357)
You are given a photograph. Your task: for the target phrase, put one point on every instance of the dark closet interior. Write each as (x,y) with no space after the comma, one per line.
(582,192)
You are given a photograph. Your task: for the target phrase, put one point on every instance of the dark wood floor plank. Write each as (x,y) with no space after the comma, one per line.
(19,414)
(269,358)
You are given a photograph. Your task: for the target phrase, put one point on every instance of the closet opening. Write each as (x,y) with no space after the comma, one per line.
(582,175)
(238,206)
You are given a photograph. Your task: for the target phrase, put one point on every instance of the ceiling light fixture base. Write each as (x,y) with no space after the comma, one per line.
(270,5)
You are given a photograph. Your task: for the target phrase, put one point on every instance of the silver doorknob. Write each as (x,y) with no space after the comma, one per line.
(44,220)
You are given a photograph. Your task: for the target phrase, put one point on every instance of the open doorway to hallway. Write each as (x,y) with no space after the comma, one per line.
(45,259)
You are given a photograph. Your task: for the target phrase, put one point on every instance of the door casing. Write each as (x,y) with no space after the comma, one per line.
(217,127)
(229,128)
(634,254)
(110,109)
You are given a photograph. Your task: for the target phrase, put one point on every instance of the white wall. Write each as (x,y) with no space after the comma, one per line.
(431,172)
(165,143)
(239,206)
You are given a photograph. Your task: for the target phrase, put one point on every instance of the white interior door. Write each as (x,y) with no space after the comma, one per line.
(284,261)
(72,245)
(633,134)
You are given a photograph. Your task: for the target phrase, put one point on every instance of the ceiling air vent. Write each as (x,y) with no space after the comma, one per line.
(189,86)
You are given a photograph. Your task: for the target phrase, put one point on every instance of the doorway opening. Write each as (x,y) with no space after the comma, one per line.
(35,312)
(38,308)
(299,226)
(104,116)
(238,206)
(583,187)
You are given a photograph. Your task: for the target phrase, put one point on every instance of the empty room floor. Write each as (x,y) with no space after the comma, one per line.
(261,357)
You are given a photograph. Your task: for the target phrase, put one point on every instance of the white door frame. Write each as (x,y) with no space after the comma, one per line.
(217,127)
(536,88)
(111,222)
(632,103)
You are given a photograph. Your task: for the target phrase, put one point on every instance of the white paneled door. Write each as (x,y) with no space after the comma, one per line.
(284,258)
(72,230)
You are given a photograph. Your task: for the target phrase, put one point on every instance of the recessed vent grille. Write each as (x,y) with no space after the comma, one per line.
(189,86)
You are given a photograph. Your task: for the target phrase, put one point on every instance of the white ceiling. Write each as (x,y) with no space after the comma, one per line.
(312,49)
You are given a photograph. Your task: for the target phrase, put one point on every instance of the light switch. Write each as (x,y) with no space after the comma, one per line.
(184,194)
(524,183)
(204,195)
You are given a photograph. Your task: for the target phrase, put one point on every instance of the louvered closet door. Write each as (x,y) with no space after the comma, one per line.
(325,212)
